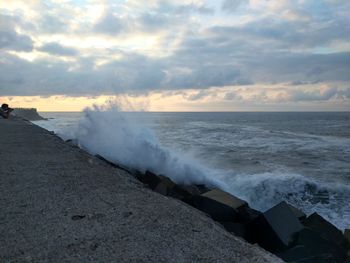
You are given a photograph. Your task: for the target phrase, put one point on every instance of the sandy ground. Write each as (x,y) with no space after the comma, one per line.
(60,204)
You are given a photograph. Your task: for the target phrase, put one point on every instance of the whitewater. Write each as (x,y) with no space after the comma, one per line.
(264,158)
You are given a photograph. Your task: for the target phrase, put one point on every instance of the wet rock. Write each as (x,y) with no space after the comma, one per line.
(237,229)
(326,230)
(347,234)
(225,198)
(216,210)
(165,185)
(297,212)
(202,188)
(192,189)
(317,245)
(248,214)
(302,254)
(275,229)
(151,179)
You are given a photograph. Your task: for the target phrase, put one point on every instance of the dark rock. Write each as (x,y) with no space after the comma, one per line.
(275,229)
(347,234)
(181,192)
(247,214)
(192,189)
(225,198)
(151,179)
(161,188)
(297,212)
(218,211)
(317,245)
(202,188)
(302,254)
(326,230)
(236,228)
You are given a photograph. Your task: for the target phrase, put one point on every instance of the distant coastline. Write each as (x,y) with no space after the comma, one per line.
(30,114)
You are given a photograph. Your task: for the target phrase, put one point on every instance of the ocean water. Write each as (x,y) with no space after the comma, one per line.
(264,158)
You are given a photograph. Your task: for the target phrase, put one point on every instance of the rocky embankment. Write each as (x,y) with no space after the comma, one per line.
(283,230)
(30,114)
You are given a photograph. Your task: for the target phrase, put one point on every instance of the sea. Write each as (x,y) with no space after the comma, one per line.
(262,157)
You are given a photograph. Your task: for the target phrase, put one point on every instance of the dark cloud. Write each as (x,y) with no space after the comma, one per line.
(57,49)
(10,39)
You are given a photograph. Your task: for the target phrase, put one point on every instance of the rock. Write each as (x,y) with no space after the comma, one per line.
(225,198)
(218,211)
(274,230)
(326,230)
(317,245)
(192,189)
(302,254)
(297,212)
(236,228)
(151,179)
(30,114)
(202,188)
(183,192)
(165,185)
(347,234)
(247,214)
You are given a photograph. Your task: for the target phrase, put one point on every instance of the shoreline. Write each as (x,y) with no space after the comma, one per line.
(60,203)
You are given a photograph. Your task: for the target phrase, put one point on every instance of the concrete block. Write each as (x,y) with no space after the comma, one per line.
(237,229)
(225,198)
(275,229)
(302,254)
(151,179)
(216,210)
(297,212)
(316,245)
(326,230)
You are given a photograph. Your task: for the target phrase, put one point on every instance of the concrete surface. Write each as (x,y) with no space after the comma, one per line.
(59,204)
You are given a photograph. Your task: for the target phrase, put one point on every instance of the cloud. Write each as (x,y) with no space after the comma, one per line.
(111,24)
(10,39)
(232,5)
(57,49)
(136,47)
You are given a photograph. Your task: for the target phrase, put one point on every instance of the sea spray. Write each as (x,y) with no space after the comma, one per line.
(109,133)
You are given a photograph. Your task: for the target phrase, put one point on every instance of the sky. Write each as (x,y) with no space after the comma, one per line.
(183,55)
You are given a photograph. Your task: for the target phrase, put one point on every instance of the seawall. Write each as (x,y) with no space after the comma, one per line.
(60,204)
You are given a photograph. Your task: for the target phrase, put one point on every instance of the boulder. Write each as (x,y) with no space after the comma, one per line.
(237,229)
(275,229)
(315,244)
(216,210)
(326,230)
(225,198)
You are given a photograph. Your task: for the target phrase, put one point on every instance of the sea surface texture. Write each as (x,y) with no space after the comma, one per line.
(264,158)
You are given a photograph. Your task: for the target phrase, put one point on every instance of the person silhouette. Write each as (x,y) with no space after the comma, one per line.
(5,111)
